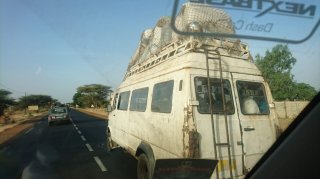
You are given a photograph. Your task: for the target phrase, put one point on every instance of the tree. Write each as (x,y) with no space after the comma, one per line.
(40,100)
(77,99)
(95,94)
(304,91)
(276,68)
(5,100)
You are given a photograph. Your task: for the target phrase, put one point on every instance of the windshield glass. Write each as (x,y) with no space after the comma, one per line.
(119,89)
(247,19)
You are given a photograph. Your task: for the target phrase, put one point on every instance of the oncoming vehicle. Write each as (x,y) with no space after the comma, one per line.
(193,98)
(58,114)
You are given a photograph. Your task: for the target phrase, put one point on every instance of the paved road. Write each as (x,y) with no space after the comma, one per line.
(74,150)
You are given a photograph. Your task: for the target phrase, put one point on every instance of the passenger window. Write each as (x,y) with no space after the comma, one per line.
(252,98)
(139,100)
(114,101)
(162,97)
(123,100)
(201,86)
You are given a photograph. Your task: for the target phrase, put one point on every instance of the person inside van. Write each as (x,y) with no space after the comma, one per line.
(263,106)
(250,106)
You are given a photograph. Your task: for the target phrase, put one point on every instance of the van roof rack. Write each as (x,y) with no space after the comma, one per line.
(228,48)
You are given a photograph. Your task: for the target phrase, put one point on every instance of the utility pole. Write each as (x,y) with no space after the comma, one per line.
(25,102)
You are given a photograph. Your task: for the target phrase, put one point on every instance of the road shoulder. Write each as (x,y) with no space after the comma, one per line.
(9,131)
(101,115)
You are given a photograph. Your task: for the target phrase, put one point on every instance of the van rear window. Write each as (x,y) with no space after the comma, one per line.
(59,110)
(139,100)
(201,86)
(123,100)
(162,97)
(252,98)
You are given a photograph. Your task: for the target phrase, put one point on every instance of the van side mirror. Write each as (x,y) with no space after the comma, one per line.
(109,108)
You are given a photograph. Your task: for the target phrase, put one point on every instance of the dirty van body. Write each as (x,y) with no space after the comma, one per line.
(164,109)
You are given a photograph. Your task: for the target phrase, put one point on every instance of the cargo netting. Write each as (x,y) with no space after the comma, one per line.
(193,17)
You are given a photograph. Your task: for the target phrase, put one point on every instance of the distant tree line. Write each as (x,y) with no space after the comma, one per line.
(39,100)
(92,95)
(42,101)
(276,66)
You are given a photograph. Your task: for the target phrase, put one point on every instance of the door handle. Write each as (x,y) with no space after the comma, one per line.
(249,128)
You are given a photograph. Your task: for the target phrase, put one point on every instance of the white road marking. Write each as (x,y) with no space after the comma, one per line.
(79,132)
(82,137)
(100,164)
(76,128)
(89,147)
(29,130)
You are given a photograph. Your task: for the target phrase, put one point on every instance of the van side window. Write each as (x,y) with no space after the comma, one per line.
(201,86)
(123,100)
(139,100)
(114,101)
(252,98)
(162,97)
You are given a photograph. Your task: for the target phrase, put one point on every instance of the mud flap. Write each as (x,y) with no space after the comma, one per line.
(184,168)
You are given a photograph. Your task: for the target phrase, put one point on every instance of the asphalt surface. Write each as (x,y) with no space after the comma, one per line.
(71,150)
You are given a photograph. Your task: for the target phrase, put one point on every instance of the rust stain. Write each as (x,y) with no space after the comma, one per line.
(190,135)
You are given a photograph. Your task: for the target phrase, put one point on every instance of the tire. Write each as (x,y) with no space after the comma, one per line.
(110,143)
(143,167)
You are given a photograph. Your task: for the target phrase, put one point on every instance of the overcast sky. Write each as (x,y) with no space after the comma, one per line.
(53,46)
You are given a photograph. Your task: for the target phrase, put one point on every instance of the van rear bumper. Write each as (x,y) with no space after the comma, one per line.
(184,168)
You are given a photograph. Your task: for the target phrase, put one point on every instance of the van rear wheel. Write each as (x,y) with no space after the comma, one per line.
(143,168)
(110,143)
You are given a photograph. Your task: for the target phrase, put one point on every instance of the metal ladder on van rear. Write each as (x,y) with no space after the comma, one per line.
(207,52)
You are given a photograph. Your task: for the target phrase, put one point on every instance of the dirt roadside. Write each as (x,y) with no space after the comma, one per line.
(9,131)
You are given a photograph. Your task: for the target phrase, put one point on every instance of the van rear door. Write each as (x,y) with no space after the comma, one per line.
(205,128)
(253,99)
